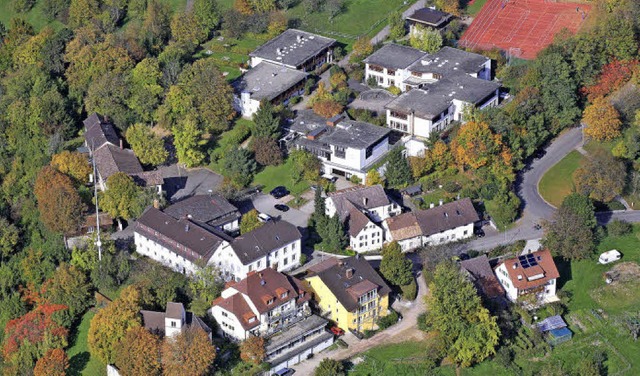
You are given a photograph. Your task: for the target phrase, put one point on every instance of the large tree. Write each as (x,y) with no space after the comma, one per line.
(54,363)
(305,166)
(250,222)
(570,233)
(397,28)
(252,350)
(59,204)
(329,367)
(122,199)
(9,236)
(267,122)
(426,39)
(331,230)
(188,353)
(139,353)
(475,145)
(398,171)
(239,166)
(73,164)
(267,151)
(145,89)
(188,141)
(205,286)
(110,325)
(602,120)
(395,266)
(602,176)
(149,148)
(468,332)
(68,287)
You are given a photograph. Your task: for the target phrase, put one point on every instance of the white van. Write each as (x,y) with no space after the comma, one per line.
(263,217)
(609,256)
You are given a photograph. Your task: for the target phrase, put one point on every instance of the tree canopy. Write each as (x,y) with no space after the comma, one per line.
(395,266)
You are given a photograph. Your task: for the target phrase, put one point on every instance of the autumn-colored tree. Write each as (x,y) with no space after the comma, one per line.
(31,336)
(263,6)
(139,353)
(267,152)
(612,76)
(149,148)
(110,325)
(374,178)
(426,39)
(475,144)
(243,6)
(250,221)
(59,204)
(602,177)
(361,49)
(188,353)
(327,108)
(252,350)
(602,120)
(277,23)
(321,94)
(186,30)
(73,164)
(54,363)
(441,156)
(449,6)
(338,80)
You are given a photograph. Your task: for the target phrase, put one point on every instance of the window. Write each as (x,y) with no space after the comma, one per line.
(252,319)
(173,324)
(259,263)
(270,301)
(225,314)
(398,126)
(286,261)
(340,152)
(284,295)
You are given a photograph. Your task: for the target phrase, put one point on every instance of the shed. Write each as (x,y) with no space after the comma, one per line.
(558,336)
(551,323)
(412,190)
(609,256)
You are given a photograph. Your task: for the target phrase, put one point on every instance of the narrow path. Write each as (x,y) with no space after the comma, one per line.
(405,330)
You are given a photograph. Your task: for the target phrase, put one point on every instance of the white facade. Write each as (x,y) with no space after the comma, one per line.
(386,77)
(377,214)
(547,293)
(370,238)
(156,251)
(229,324)
(281,259)
(347,161)
(173,327)
(444,237)
(246,105)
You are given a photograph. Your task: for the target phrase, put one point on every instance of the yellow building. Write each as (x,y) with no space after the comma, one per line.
(350,292)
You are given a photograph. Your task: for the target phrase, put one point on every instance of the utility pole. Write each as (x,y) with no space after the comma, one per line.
(95,192)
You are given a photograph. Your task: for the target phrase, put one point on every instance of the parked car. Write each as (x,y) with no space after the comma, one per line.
(285,372)
(337,331)
(315,187)
(331,178)
(479,233)
(281,207)
(279,192)
(263,217)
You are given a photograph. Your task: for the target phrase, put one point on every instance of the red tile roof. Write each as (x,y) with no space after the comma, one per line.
(534,276)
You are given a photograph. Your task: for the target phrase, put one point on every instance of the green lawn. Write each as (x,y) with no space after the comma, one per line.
(34,16)
(81,362)
(273,176)
(557,183)
(474,8)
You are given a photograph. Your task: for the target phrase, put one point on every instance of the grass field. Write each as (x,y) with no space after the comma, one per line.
(273,176)
(595,325)
(80,361)
(474,8)
(557,183)
(34,16)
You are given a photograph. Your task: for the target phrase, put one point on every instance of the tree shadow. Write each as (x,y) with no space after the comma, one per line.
(564,268)
(77,363)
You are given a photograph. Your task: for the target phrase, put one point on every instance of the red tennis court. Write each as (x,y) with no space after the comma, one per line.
(522,27)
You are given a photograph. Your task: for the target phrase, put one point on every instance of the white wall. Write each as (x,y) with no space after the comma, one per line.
(371,238)
(385,79)
(159,253)
(449,236)
(246,105)
(512,292)
(228,324)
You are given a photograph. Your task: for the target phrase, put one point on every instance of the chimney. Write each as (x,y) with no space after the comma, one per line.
(121,147)
(515,265)
(349,273)
(365,201)
(441,202)
(186,228)
(156,203)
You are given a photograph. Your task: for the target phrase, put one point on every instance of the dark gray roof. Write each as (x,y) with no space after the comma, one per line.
(259,242)
(347,133)
(92,120)
(267,80)
(97,133)
(153,321)
(111,159)
(209,209)
(361,197)
(166,230)
(174,310)
(429,17)
(449,61)
(333,273)
(295,46)
(294,332)
(446,217)
(482,276)
(148,178)
(424,105)
(395,56)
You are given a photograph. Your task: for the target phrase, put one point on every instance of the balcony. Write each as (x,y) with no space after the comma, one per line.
(286,319)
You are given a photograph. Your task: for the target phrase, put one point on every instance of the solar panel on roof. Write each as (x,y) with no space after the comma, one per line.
(523,261)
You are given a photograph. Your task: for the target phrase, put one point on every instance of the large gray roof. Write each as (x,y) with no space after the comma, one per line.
(428,16)
(267,80)
(449,61)
(99,132)
(295,46)
(395,56)
(261,241)
(447,217)
(204,208)
(423,104)
(347,133)
(110,159)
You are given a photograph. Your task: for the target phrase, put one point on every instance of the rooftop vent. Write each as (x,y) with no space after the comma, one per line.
(312,37)
(279,51)
(519,277)
(299,38)
(515,265)
(441,202)
(186,228)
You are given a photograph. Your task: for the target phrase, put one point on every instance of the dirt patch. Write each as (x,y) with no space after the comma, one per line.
(623,290)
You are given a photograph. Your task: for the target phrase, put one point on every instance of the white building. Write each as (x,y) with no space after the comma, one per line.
(172,321)
(361,209)
(529,274)
(295,49)
(439,225)
(266,82)
(177,243)
(345,147)
(437,87)
(276,245)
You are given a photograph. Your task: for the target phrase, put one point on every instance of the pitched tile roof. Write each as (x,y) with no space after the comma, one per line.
(261,241)
(174,310)
(148,178)
(482,276)
(99,132)
(240,309)
(404,226)
(154,321)
(361,197)
(333,273)
(200,244)
(269,285)
(395,56)
(531,277)
(204,208)
(357,220)
(110,159)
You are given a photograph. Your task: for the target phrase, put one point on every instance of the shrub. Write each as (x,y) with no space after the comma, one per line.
(394,90)
(422,322)
(372,82)
(295,100)
(410,291)
(450,186)
(355,179)
(388,320)
(308,86)
(473,253)
(303,259)
(619,228)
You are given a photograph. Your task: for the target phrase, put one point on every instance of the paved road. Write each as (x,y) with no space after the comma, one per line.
(264,203)
(403,331)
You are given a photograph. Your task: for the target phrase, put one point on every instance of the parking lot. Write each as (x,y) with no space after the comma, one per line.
(264,203)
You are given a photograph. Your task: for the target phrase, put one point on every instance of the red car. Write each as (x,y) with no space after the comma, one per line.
(337,331)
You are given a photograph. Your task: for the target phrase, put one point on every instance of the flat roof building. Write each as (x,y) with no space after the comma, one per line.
(295,49)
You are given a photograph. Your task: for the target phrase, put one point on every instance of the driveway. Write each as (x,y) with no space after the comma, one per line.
(264,204)
(403,331)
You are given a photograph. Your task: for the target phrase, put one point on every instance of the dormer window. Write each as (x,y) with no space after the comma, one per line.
(283,295)
(270,301)
(252,319)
